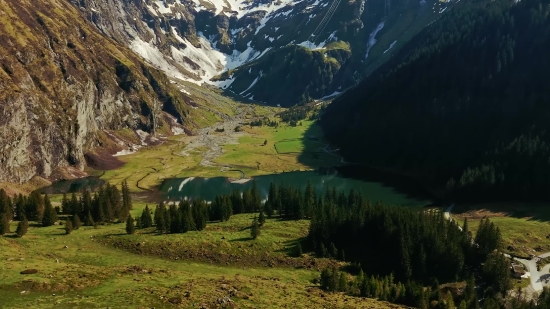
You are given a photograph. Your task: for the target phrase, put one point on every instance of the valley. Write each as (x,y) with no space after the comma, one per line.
(274,154)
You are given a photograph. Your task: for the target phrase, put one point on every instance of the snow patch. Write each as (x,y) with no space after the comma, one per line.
(162,8)
(253,83)
(372,37)
(155,57)
(184,182)
(335,93)
(391,45)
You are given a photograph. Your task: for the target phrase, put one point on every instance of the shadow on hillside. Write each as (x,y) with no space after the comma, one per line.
(401,183)
(520,210)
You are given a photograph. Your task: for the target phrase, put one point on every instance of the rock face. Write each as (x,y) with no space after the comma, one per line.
(62,84)
(197,40)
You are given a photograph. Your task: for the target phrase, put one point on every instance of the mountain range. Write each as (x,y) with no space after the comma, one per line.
(259,48)
(77,77)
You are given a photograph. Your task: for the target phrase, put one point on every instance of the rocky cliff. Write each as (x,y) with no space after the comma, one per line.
(65,88)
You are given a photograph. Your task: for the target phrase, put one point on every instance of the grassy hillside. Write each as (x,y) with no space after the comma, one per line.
(84,269)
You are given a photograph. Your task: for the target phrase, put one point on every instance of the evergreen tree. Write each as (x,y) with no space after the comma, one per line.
(272,200)
(86,203)
(200,214)
(34,209)
(160,218)
(255,228)
(333,251)
(130,228)
(309,200)
(178,222)
(248,204)
(89,219)
(68,226)
(261,218)
(497,273)
(237,202)
(449,302)
(343,283)
(299,251)
(139,225)
(76,222)
(146,219)
(325,278)
(50,216)
(126,198)
(73,205)
(22,227)
(4,224)
(255,197)
(65,208)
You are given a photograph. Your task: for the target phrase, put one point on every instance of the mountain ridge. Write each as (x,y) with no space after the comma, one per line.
(199,40)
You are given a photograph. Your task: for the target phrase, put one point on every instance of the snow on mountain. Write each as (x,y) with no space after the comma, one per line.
(203,41)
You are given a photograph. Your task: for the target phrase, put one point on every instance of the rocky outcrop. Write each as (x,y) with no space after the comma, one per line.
(62,82)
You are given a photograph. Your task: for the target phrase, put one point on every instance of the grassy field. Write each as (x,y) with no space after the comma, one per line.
(525,228)
(85,270)
(147,168)
(278,155)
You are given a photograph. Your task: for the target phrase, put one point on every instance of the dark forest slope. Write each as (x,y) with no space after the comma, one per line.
(466,103)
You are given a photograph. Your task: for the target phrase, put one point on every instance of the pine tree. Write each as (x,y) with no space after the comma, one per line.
(324,251)
(255,197)
(22,227)
(309,199)
(146,219)
(68,226)
(139,225)
(343,283)
(4,224)
(86,203)
(65,204)
(261,218)
(200,214)
(76,222)
(299,251)
(73,205)
(449,302)
(89,219)
(178,221)
(126,197)
(333,251)
(255,228)
(325,278)
(160,218)
(130,228)
(50,216)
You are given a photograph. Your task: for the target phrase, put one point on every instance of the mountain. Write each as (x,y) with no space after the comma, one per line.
(464,105)
(249,47)
(69,95)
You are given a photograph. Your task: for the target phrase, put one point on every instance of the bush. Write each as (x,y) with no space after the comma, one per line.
(68,226)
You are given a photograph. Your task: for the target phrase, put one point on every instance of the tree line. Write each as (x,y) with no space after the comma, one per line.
(109,204)
(412,248)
